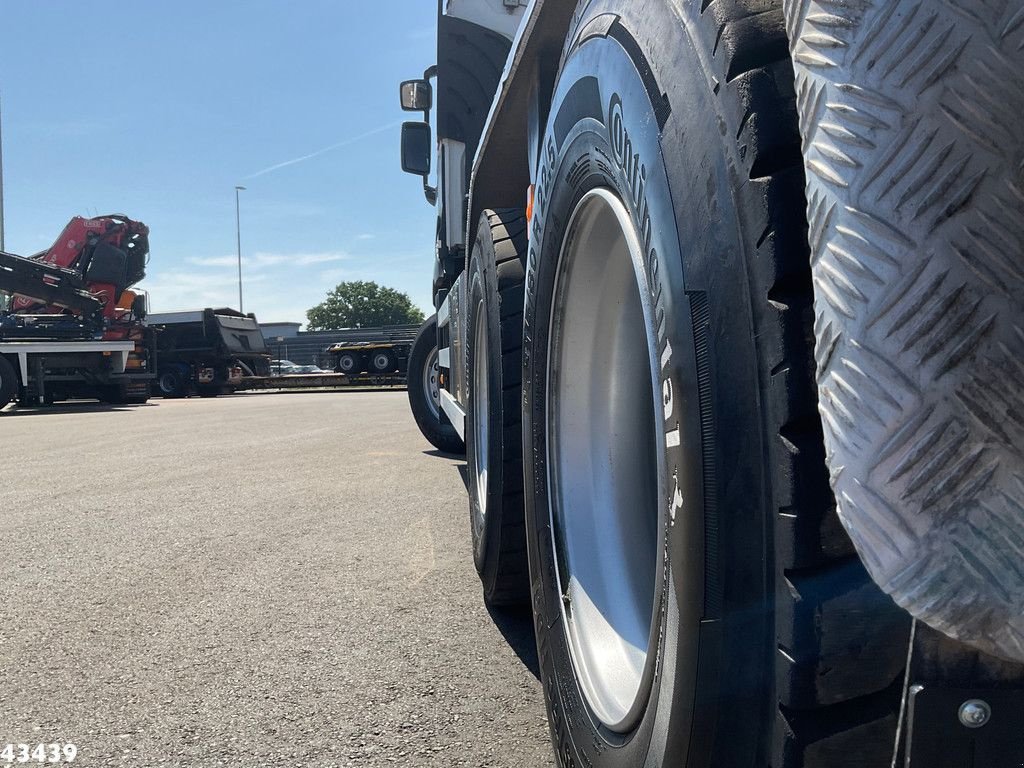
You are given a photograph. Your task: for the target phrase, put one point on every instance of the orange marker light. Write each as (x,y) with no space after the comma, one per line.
(529,206)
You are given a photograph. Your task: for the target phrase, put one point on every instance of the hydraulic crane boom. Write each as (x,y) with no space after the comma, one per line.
(47,284)
(80,283)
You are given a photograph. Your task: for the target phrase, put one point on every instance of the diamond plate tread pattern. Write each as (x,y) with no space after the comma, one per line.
(911,126)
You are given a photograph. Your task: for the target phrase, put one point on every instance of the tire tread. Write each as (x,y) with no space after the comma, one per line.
(841,641)
(501,244)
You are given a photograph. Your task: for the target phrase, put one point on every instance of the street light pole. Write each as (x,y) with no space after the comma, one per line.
(1,181)
(238,232)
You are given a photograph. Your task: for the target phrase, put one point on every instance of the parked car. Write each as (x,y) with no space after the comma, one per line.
(282,367)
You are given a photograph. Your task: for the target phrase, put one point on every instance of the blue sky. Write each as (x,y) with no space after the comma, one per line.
(157,109)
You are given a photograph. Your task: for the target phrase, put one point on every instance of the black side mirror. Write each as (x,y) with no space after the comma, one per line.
(417,95)
(417,147)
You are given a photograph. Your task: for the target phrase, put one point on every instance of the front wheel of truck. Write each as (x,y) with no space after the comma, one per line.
(424,388)
(696,599)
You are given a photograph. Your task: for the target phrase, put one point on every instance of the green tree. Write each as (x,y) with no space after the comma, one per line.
(362,304)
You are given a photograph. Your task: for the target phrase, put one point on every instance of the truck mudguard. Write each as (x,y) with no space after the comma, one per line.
(912,143)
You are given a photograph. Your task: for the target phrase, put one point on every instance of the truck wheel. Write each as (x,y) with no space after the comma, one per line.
(696,599)
(493,423)
(8,382)
(424,392)
(382,362)
(171,383)
(349,363)
(117,394)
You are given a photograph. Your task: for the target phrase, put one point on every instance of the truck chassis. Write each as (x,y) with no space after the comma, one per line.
(43,367)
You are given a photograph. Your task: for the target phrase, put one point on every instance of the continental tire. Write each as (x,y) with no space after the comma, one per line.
(916,201)
(424,388)
(493,422)
(696,599)
(8,382)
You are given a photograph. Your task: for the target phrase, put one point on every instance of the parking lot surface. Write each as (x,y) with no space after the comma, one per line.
(280,579)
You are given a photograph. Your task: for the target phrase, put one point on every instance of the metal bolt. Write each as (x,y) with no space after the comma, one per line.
(974,713)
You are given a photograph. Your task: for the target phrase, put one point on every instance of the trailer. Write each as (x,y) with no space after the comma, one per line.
(313,381)
(375,351)
(728,323)
(207,352)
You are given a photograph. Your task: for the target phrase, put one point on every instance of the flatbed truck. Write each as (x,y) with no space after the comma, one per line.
(70,325)
(375,351)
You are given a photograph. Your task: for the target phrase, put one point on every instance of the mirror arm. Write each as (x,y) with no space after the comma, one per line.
(429,192)
(429,74)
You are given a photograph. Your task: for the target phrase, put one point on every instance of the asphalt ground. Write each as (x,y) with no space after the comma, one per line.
(279,579)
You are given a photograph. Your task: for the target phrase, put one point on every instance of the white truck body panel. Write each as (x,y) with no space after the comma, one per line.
(454,413)
(118,351)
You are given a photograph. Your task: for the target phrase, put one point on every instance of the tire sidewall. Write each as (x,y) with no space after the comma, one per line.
(418,356)
(355,363)
(601,111)
(175,379)
(482,286)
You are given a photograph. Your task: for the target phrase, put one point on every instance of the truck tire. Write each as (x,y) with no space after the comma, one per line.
(696,599)
(916,201)
(116,394)
(382,361)
(350,363)
(171,383)
(494,368)
(8,382)
(423,388)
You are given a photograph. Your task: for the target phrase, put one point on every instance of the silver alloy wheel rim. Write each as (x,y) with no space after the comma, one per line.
(481,407)
(167,384)
(431,384)
(380,362)
(347,363)
(604,471)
